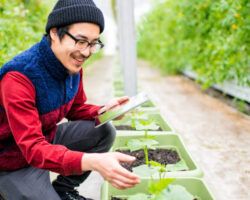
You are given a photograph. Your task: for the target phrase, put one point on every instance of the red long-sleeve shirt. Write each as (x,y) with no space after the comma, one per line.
(26,136)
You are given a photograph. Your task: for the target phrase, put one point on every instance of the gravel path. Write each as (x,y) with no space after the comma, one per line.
(216,135)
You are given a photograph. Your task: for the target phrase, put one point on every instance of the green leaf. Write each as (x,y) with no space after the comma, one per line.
(138,115)
(179,166)
(156,187)
(160,167)
(146,125)
(175,192)
(137,144)
(149,143)
(145,171)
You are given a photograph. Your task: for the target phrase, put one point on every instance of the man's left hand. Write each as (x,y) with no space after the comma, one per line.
(113,103)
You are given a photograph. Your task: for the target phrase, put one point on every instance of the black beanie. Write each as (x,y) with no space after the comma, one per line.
(68,12)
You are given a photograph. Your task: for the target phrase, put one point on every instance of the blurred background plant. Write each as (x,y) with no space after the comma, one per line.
(209,37)
(22,24)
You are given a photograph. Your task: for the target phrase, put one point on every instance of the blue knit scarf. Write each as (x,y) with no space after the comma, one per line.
(54,86)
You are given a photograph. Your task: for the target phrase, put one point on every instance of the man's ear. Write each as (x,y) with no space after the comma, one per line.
(53,34)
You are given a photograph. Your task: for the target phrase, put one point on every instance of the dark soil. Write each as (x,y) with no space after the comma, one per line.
(115,198)
(126,127)
(163,156)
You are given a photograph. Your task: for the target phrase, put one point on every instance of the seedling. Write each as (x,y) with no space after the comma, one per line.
(135,116)
(158,189)
(138,118)
(145,142)
(155,188)
(162,189)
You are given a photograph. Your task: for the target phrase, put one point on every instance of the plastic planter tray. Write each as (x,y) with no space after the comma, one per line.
(156,116)
(195,186)
(169,140)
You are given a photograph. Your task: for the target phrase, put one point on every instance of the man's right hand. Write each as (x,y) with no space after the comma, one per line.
(108,165)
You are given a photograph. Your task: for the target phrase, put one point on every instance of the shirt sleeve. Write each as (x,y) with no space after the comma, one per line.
(79,109)
(18,98)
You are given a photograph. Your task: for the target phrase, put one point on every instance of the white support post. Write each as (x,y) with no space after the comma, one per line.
(127,44)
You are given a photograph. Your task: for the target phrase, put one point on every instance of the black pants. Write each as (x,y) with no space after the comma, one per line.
(34,184)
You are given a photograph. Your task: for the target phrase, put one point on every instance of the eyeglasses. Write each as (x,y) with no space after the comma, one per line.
(82,44)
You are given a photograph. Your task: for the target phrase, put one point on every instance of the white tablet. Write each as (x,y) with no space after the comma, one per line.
(119,110)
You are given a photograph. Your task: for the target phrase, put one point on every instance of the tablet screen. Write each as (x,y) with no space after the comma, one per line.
(119,110)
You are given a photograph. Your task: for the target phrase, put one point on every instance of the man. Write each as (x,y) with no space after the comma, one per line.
(38,88)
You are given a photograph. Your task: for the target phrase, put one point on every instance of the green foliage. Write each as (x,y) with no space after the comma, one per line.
(160,189)
(179,166)
(146,125)
(242,106)
(154,168)
(142,143)
(145,171)
(141,121)
(136,144)
(22,23)
(156,187)
(147,142)
(160,168)
(135,116)
(151,169)
(210,37)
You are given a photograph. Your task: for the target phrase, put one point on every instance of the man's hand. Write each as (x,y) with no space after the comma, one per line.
(113,103)
(108,165)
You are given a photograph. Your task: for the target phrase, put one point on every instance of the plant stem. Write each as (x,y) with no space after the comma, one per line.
(133,123)
(146,154)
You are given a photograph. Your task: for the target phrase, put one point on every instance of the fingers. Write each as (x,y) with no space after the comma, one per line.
(120,185)
(113,103)
(113,172)
(124,174)
(116,102)
(121,178)
(124,157)
(123,99)
(127,177)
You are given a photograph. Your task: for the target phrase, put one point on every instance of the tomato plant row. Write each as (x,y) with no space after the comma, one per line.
(209,37)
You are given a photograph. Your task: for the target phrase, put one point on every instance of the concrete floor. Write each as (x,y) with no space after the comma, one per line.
(216,135)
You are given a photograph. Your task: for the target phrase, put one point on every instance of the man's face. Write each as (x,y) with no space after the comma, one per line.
(66,50)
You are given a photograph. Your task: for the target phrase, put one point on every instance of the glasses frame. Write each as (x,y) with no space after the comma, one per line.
(90,44)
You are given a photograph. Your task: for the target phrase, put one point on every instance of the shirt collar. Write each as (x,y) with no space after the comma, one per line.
(50,61)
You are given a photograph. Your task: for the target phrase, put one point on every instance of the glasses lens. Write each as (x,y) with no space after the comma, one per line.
(81,44)
(96,48)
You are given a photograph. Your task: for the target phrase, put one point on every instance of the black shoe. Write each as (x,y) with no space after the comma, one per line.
(72,195)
